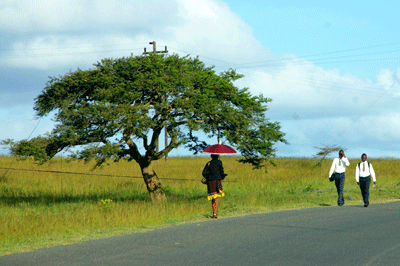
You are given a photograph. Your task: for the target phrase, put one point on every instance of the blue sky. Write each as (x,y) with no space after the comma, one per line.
(332,68)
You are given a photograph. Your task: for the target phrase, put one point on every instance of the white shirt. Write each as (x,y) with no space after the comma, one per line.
(339,168)
(368,171)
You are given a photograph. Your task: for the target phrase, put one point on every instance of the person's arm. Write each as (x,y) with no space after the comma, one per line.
(205,170)
(358,174)
(346,161)
(332,168)
(372,172)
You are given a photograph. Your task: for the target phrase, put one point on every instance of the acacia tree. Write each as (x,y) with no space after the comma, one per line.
(122,105)
(325,151)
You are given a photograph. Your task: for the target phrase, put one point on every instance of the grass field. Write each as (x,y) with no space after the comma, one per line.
(42,206)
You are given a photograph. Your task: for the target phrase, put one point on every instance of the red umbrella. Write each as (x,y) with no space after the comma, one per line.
(219,149)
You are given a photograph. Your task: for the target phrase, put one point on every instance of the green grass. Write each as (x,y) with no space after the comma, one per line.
(44,209)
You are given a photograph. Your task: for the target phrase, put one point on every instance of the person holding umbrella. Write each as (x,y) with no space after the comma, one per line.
(214,173)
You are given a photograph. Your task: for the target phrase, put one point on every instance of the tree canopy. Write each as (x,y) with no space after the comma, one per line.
(122,105)
(324,152)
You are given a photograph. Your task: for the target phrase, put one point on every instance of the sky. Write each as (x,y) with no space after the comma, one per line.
(331,68)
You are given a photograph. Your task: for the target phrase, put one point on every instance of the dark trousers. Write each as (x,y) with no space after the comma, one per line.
(364,186)
(339,182)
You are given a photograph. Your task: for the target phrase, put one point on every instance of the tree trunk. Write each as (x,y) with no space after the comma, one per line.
(153,185)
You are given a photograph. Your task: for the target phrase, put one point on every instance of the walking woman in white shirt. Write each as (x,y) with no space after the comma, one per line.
(364,172)
(338,168)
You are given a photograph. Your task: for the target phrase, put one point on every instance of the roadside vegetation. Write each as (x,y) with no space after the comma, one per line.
(42,206)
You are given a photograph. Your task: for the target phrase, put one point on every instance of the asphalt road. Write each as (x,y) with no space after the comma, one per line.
(348,235)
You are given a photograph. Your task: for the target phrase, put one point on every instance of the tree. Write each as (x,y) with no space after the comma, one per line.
(121,105)
(325,151)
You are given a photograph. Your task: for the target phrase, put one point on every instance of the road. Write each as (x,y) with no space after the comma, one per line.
(348,235)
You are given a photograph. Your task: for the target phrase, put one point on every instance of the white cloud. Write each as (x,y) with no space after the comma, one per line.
(71,34)
(385,78)
(366,134)
(398,74)
(61,51)
(385,128)
(298,87)
(211,28)
(46,16)
(76,33)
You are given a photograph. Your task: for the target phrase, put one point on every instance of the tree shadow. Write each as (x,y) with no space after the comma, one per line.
(324,205)
(51,199)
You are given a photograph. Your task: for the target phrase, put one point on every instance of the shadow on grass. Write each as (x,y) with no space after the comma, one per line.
(49,199)
(324,205)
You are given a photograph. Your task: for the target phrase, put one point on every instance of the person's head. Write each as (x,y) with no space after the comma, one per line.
(341,153)
(363,157)
(214,156)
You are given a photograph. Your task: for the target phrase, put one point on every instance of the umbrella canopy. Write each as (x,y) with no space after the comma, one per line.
(219,149)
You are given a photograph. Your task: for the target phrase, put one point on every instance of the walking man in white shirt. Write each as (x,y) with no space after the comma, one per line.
(364,172)
(338,168)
